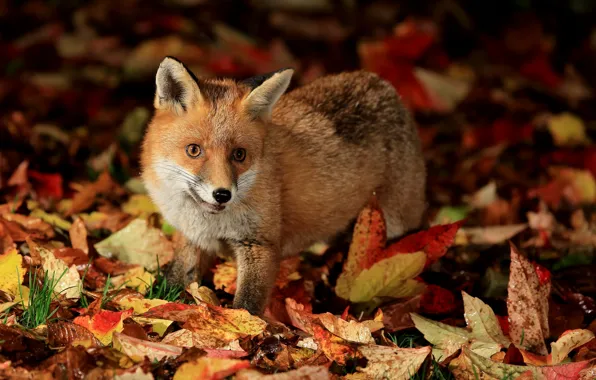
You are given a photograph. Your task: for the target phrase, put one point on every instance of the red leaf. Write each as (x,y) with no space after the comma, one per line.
(543,273)
(434,242)
(46,185)
(504,322)
(437,300)
(540,70)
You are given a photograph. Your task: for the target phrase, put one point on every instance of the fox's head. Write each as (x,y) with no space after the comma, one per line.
(206,137)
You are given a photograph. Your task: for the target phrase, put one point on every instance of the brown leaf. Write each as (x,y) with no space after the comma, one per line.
(112,266)
(61,334)
(26,225)
(304,373)
(78,235)
(396,316)
(527,305)
(138,349)
(89,192)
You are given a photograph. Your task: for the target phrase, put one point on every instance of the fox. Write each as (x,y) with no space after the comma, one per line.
(247,167)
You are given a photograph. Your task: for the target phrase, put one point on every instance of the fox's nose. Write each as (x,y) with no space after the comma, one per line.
(222,195)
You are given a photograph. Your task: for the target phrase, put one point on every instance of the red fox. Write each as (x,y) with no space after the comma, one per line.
(245,167)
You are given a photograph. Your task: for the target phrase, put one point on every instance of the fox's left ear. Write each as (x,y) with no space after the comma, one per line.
(266,91)
(176,88)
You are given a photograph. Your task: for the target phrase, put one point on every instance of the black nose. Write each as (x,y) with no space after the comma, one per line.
(222,195)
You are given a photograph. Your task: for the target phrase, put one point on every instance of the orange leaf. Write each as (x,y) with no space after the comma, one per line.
(210,369)
(104,324)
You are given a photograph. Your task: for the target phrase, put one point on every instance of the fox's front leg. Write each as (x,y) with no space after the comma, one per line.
(189,264)
(258,265)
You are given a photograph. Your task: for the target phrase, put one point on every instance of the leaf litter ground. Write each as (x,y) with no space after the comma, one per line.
(499,283)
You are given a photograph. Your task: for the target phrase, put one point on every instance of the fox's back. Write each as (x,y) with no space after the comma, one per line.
(339,139)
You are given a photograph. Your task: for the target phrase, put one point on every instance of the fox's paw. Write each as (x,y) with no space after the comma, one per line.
(180,275)
(253,305)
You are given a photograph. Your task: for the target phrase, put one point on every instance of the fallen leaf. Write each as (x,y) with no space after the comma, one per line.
(187,338)
(224,277)
(62,334)
(12,272)
(140,205)
(499,370)
(401,363)
(493,234)
(136,278)
(125,245)
(210,369)
(567,342)
(303,373)
(159,326)
(78,235)
(88,193)
(217,326)
(66,279)
(483,322)
(568,130)
(138,349)
(202,294)
(396,316)
(527,305)
(27,226)
(52,219)
(391,277)
(104,323)
(136,302)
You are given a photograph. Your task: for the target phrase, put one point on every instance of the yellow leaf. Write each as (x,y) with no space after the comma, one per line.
(568,130)
(137,278)
(139,205)
(569,341)
(158,325)
(210,368)
(53,219)
(388,278)
(482,320)
(202,294)
(139,305)
(137,349)
(12,272)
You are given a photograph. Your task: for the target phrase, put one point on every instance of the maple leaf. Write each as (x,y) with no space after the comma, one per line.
(88,193)
(12,271)
(567,342)
(216,326)
(138,349)
(371,269)
(210,369)
(104,323)
(334,346)
(500,370)
(308,372)
(401,363)
(125,245)
(484,336)
(527,305)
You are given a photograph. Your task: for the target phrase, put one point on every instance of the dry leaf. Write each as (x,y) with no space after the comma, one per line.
(401,363)
(527,305)
(12,272)
(104,323)
(567,342)
(78,235)
(210,369)
(138,349)
(126,246)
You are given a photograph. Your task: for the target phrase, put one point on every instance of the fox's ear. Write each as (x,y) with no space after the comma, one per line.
(176,89)
(266,91)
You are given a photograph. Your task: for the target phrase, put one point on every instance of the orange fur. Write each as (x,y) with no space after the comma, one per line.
(314,157)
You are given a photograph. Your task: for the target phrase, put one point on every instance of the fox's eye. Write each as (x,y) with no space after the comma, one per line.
(193,150)
(239,154)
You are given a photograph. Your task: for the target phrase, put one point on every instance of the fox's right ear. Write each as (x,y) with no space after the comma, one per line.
(176,88)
